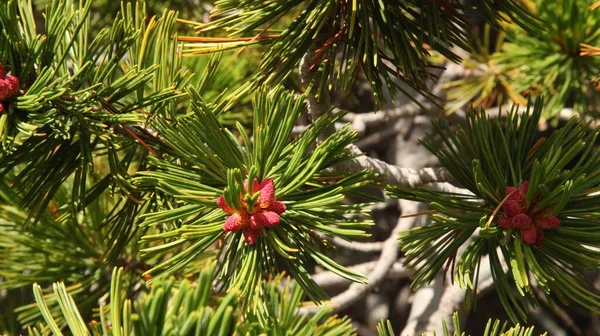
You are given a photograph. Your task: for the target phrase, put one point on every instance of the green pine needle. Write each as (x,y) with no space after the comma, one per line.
(184,307)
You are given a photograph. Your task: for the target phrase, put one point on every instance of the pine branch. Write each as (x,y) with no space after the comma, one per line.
(393,175)
(555,62)
(365,247)
(112,145)
(361,121)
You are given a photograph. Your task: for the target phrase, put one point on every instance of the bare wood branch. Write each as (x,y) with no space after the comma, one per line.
(328,279)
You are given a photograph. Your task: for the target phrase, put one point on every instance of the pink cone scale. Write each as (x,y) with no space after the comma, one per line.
(9,85)
(266,212)
(518,215)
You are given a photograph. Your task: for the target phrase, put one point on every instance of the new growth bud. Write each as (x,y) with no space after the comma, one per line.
(265,213)
(518,215)
(9,85)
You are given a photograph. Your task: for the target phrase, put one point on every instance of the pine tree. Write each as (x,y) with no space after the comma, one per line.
(188,172)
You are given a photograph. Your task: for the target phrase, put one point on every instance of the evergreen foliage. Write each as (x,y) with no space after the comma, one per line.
(553,239)
(149,189)
(182,308)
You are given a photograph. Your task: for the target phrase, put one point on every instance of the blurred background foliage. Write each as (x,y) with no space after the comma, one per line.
(511,65)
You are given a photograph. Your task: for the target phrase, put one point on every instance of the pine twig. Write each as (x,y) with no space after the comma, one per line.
(329,279)
(318,103)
